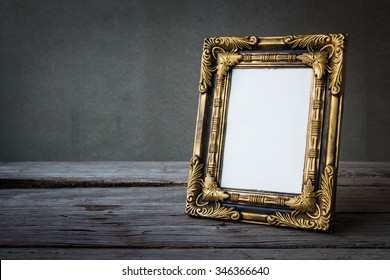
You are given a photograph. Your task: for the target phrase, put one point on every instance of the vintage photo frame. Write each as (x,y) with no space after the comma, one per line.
(312,206)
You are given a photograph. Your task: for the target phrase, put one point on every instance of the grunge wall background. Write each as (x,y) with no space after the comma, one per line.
(117,80)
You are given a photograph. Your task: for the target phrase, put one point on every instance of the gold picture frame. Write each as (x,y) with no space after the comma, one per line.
(312,207)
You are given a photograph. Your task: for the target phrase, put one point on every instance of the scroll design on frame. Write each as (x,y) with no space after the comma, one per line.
(335,43)
(209,56)
(211,208)
(318,220)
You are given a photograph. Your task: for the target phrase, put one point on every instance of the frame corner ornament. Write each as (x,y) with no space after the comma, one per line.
(209,207)
(306,201)
(321,219)
(211,46)
(317,60)
(225,61)
(334,43)
(211,191)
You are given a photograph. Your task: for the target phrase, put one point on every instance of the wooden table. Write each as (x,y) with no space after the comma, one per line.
(135,210)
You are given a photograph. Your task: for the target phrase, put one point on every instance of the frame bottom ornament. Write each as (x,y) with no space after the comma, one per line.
(314,216)
(195,190)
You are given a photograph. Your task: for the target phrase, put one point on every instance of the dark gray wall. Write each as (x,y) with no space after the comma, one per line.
(117,80)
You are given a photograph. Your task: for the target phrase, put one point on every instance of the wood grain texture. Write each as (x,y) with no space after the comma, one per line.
(112,174)
(109,221)
(92,174)
(153,218)
(189,254)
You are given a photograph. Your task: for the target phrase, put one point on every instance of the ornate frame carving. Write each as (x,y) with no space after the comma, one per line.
(312,209)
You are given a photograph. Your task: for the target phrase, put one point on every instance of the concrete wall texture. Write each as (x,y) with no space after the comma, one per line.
(91,80)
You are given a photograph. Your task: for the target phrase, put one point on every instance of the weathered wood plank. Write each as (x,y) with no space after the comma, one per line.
(148,223)
(363,199)
(364,173)
(150,217)
(91,174)
(113,174)
(190,254)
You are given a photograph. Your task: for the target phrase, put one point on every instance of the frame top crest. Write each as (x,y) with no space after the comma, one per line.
(333,43)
